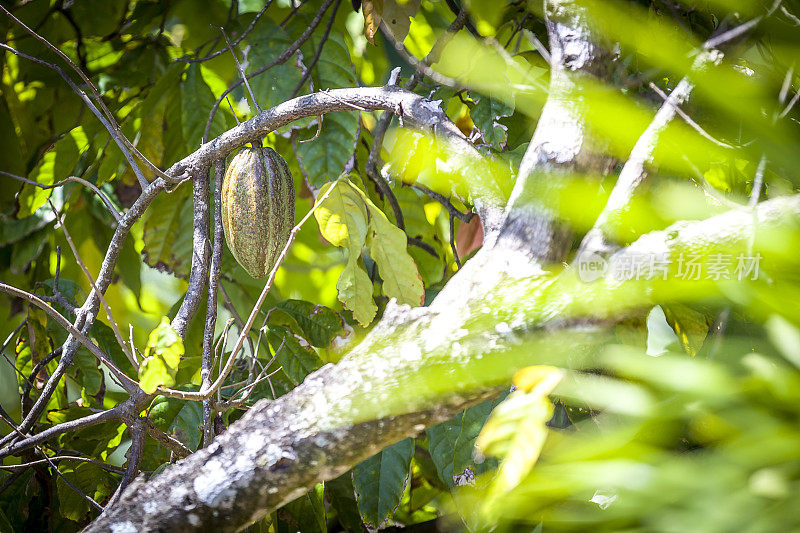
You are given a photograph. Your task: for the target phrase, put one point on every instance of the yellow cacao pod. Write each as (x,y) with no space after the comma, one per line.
(257,208)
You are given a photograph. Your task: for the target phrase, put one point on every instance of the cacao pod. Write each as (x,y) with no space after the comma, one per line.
(257,208)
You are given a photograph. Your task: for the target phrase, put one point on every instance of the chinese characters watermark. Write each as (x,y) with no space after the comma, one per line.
(686,267)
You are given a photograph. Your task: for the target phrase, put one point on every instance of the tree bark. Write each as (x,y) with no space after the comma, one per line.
(417,367)
(385,389)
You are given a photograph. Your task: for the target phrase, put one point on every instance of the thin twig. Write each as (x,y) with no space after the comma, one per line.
(24,466)
(422,245)
(103,301)
(281,59)
(664,96)
(317,55)
(452,220)
(207,392)
(127,383)
(242,74)
(237,41)
(168,441)
(446,203)
(75,179)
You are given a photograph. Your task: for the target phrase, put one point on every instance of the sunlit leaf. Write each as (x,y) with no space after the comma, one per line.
(387,246)
(57,164)
(516,430)
(343,221)
(161,358)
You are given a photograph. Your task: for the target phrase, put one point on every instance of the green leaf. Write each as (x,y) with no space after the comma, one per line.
(67,415)
(324,158)
(342,216)
(161,358)
(342,219)
(387,246)
(472,421)
(179,418)
(308,512)
(90,479)
(517,428)
(317,323)
(57,164)
(442,440)
(11,159)
(487,15)
(5,523)
(25,251)
(379,482)
(431,269)
(15,500)
(86,372)
(296,357)
(486,115)
(267,41)
(689,325)
(786,338)
(153,111)
(355,291)
(341,495)
(107,341)
(334,69)
(395,14)
(174,141)
(98,18)
(167,233)
(197,100)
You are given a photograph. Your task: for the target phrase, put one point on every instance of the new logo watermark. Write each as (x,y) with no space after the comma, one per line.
(591,266)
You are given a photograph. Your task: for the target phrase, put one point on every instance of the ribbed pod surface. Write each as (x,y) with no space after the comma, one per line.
(257,208)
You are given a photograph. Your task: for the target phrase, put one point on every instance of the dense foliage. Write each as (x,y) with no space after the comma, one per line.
(685,418)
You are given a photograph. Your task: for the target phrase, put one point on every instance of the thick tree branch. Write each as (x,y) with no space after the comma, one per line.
(416,110)
(201,252)
(340,415)
(561,143)
(599,238)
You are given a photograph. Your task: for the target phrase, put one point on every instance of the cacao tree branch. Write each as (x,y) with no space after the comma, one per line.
(211,307)
(281,59)
(338,416)
(201,253)
(529,225)
(88,311)
(634,172)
